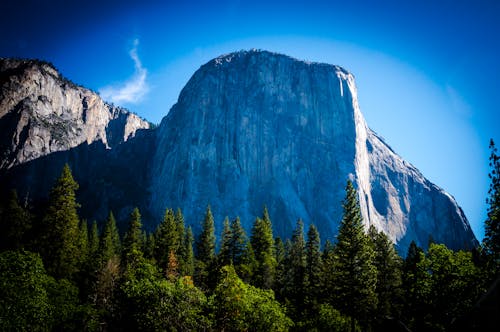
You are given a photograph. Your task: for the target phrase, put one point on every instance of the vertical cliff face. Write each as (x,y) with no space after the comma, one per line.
(256,128)
(41,113)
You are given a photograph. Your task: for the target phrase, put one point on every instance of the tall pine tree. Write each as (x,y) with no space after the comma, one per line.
(313,266)
(263,246)
(166,239)
(354,274)
(60,234)
(388,265)
(132,254)
(225,254)
(205,253)
(109,245)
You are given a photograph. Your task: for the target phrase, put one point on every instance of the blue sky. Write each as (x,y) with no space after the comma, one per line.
(427,71)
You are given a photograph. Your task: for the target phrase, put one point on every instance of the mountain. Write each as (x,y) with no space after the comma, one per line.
(46,120)
(250,128)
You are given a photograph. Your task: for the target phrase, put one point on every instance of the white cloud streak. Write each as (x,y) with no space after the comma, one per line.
(133,89)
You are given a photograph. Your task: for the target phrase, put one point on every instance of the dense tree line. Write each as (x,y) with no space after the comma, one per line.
(58,272)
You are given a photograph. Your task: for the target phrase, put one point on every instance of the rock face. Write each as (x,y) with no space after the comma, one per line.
(46,121)
(41,113)
(249,129)
(256,128)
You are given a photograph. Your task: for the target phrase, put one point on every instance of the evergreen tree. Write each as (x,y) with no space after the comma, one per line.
(263,245)
(354,274)
(238,242)
(225,254)
(166,239)
(313,266)
(132,242)
(205,246)
(205,250)
(415,285)
(491,242)
(93,246)
(181,237)
(295,264)
(109,245)
(388,265)
(59,239)
(83,242)
(15,223)
(188,268)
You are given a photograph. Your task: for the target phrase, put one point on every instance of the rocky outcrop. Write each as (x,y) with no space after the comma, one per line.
(256,128)
(41,112)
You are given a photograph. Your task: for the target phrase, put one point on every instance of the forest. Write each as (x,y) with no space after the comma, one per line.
(61,273)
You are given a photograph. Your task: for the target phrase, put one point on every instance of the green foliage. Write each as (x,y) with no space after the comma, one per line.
(205,250)
(295,263)
(491,242)
(109,244)
(329,319)
(240,307)
(263,246)
(225,254)
(160,305)
(188,254)
(132,242)
(24,302)
(60,234)
(313,266)
(93,243)
(353,273)
(453,284)
(205,246)
(388,265)
(167,239)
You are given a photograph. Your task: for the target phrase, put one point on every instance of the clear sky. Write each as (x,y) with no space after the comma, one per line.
(428,72)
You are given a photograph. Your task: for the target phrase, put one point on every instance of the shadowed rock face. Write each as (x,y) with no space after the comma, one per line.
(249,129)
(41,112)
(255,128)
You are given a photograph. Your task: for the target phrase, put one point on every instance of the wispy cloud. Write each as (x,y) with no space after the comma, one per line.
(131,90)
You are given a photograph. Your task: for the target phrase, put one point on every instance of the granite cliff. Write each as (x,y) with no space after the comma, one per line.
(251,128)
(257,128)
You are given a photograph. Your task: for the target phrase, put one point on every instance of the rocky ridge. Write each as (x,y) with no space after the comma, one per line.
(41,112)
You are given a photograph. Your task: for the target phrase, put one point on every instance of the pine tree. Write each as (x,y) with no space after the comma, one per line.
(354,274)
(188,268)
(132,242)
(313,266)
(205,250)
(181,237)
(109,245)
(295,263)
(93,246)
(83,242)
(263,245)
(225,254)
(205,246)
(238,242)
(166,239)
(388,265)
(491,242)
(415,285)
(59,239)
